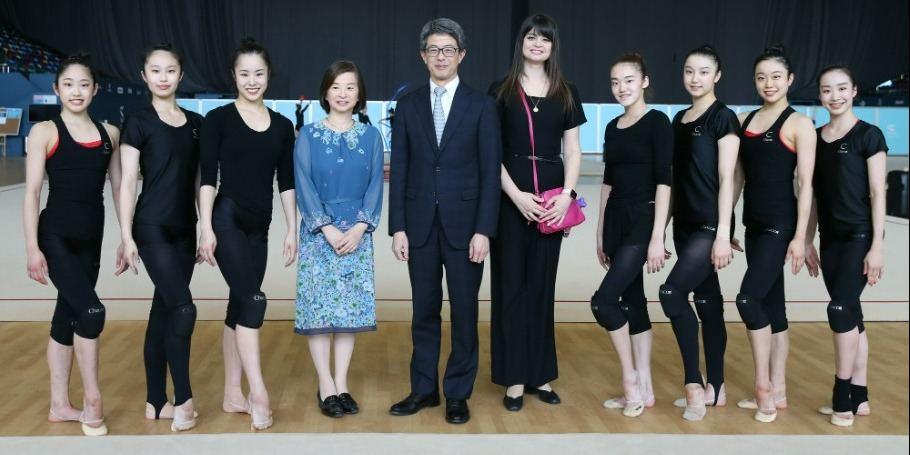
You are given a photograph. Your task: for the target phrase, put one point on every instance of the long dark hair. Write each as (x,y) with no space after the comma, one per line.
(559,88)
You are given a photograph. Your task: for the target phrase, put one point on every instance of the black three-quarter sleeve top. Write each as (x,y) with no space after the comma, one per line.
(247,160)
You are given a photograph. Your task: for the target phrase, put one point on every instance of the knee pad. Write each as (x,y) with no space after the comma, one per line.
(606,311)
(253,312)
(637,315)
(62,332)
(91,321)
(183,319)
(841,317)
(709,309)
(751,312)
(673,301)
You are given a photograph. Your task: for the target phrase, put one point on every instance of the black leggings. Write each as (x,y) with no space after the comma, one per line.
(842,268)
(761,299)
(73,265)
(169,255)
(694,271)
(241,253)
(621,296)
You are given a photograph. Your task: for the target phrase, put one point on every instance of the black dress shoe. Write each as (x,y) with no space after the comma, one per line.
(513,404)
(331,406)
(457,411)
(348,404)
(414,403)
(547,396)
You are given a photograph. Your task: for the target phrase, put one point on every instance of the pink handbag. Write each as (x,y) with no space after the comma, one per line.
(574,215)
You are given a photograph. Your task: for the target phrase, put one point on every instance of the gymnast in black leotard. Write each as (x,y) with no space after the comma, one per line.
(162,141)
(77,153)
(243,145)
(704,160)
(849,181)
(775,141)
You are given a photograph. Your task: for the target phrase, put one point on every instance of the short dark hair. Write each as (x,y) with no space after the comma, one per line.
(166,47)
(79,58)
(443,26)
(337,68)
(249,46)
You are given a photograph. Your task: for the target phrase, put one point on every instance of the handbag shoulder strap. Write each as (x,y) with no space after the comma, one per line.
(524,102)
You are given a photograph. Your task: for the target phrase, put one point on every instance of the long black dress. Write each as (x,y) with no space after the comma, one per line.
(523,261)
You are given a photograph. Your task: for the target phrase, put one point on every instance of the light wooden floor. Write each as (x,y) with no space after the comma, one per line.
(379,376)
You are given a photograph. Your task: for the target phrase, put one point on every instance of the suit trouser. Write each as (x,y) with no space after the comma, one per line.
(425,267)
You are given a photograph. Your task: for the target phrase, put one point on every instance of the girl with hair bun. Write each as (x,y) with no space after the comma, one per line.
(243,145)
(63,243)
(775,141)
(634,201)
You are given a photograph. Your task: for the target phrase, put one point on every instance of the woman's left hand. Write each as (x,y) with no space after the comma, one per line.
(290,248)
(556,209)
(351,239)
(657,255)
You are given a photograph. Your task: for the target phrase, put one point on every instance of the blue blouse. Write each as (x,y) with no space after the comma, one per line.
(338,176)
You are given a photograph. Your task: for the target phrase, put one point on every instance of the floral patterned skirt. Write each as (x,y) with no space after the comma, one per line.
(335,294)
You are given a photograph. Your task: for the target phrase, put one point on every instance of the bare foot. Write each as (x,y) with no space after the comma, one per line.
(260,412)
(237,404)
(63,414)
(167,411)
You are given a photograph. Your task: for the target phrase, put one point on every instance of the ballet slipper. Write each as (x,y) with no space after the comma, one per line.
(766,415)
(150,412)
(94,427)
(842,419)
(862,411)
(695,410)
(258,422)
(178,424)
(749,403)
(716,400)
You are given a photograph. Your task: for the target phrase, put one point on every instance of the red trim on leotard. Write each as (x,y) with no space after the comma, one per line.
(89,145)
(54,148)
(751,134)
(781,138)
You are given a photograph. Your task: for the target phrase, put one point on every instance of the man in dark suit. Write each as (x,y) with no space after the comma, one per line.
(444,196)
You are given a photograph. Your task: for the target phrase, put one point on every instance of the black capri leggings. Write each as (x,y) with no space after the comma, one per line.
(761,299)
(241,253)
(620,299)
(842,259)
(73,265)
(694,271)
(169,255)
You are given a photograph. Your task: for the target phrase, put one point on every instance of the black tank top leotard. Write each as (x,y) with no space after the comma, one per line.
(76,173)
(768,165)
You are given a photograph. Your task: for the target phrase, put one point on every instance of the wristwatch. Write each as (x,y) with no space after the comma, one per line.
(570,192)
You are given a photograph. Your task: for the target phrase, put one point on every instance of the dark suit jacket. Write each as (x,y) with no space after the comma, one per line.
(461,174)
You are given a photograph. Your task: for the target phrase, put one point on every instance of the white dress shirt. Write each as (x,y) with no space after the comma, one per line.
(446,98)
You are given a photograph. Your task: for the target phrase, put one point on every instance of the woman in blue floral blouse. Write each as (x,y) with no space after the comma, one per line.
(339,174)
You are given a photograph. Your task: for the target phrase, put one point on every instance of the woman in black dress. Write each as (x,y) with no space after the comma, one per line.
(524,261)
(849,183)
(162,141)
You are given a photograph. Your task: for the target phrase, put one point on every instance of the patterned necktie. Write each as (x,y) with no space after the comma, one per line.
(439,117)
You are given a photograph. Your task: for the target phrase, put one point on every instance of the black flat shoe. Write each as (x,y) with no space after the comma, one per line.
(457,411)
(331,406)
(348,404)
(547,396)
(513,404)
(413,403)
